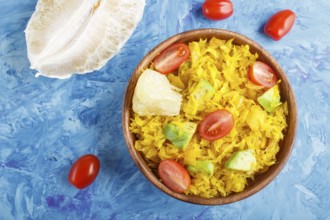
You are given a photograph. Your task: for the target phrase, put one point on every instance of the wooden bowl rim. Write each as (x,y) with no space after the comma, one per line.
(289,139)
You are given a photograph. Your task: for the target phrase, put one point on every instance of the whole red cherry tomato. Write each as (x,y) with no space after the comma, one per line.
(280,24)
(216,125)
(84,171)
(171,58)
(217,9)
(262,74)
(174,175)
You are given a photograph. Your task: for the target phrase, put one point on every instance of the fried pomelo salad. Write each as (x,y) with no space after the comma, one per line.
(208,117)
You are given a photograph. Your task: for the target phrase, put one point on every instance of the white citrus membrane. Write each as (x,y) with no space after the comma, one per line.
(79,36)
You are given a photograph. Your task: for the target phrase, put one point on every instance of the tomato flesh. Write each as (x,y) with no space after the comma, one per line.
(171,58)
(174,176)
(280,24)
(84,171)
(217,9)
(216,125)
(262,74)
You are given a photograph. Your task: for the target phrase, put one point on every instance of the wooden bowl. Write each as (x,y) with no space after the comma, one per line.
(286,144)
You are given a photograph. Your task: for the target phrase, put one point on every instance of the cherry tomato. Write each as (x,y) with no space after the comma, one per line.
(216,125)
(263,75)
(84,171)
(217,9)
(280,24)
(174,176)
(171,58)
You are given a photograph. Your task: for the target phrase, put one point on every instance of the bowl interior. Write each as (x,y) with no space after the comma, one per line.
(286,95)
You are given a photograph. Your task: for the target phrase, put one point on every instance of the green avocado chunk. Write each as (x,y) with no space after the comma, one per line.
(243,160)
(270,100)
(204,167)
(202,89)
(180,136)
(200,92)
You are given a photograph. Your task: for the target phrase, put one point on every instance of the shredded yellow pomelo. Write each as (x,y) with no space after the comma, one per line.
(225,66)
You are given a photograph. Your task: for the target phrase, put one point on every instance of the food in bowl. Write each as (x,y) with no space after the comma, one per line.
(223,121)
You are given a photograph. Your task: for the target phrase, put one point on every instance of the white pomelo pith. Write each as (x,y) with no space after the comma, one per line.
(79,36)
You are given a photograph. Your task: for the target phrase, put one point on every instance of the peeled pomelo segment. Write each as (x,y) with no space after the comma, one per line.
(75,36)
(154,95)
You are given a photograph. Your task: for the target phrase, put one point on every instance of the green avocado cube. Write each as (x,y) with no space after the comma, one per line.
(243,160)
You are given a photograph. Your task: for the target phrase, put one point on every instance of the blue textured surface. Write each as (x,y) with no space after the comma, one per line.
(46,124)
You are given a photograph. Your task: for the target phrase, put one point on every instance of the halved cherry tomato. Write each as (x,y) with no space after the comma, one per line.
(217,9)
(280,24)
(84,171)
(174,175)
(263,75)
(216,125)
(171,58)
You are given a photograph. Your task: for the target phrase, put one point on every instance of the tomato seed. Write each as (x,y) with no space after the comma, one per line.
(181,52)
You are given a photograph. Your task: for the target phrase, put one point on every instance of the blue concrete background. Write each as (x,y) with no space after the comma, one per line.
(46,124)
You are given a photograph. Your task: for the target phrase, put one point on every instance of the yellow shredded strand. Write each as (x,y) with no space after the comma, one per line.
(225,66)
